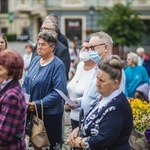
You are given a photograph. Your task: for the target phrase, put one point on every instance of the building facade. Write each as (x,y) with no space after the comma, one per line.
(76,17)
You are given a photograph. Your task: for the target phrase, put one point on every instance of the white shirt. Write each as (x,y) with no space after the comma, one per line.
(27,59)
(77,86)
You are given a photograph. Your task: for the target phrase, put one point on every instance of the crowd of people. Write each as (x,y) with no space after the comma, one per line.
(94,79)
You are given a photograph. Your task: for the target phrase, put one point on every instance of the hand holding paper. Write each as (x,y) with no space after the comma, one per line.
(69,101)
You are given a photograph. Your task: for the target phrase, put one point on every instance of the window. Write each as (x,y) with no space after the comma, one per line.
(4,30)
(3,6)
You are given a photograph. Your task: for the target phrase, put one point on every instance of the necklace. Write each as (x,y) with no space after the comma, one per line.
(46,61)
(81,76)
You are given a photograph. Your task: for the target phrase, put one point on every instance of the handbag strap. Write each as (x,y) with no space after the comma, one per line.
(42,110)
(37,115)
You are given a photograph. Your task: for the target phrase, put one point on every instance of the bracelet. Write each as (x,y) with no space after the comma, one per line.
(80,143)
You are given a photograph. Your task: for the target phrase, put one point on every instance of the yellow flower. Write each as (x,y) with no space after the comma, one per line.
(141,114)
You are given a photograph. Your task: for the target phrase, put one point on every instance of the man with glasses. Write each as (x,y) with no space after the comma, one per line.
(100,47)
(60,51)
(61,37)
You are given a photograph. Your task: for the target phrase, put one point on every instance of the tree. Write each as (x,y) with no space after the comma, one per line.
(123,24)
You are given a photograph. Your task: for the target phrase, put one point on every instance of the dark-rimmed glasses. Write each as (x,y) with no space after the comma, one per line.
(92,46)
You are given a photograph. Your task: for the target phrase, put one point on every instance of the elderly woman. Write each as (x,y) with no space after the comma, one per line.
(3,42)
(135,75)
(12,102)
(108,124)
(47,73)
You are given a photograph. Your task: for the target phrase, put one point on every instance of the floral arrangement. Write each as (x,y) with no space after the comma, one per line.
(141,114)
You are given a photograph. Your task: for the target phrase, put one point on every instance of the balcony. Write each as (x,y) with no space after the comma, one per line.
(29,6)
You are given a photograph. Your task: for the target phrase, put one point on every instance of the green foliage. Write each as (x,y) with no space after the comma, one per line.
(123,24)
(11,37)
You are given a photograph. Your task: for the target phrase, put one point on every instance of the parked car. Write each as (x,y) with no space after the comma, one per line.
(23,37)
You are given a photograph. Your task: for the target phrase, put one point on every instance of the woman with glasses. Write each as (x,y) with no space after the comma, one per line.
(3,42)
(47,73)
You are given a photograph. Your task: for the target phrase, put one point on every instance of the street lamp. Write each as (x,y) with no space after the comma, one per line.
(91,12)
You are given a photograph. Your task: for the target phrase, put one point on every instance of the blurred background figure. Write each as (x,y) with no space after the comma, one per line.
(141,56)
(12,102)
(143,59)
(27,57)
(142,92)
(61,37)
(74,56)
(3,42)
(135,75)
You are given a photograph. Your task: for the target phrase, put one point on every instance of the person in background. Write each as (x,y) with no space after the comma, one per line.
(108,124)
(27,57)
(60,50)
(74,56)
(61,37)
(12,102)
(142,92)
(47,73)
(141,56)
(143,59)
(85,70)
(3,42)
(135,75)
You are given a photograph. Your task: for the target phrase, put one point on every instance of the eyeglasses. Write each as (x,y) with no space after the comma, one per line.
(92,46)
(44,28)
(85,48)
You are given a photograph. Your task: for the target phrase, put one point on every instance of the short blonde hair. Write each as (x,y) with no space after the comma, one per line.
(134,57)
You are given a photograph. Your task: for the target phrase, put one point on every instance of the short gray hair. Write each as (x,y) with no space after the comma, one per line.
(48,36)
(53,25)
(53,16)
(140,49)
(105,38)
(113,66)
(134,57)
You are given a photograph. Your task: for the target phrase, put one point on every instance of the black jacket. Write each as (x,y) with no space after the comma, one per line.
(62,39)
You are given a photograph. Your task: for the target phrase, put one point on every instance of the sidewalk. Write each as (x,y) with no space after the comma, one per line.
(67,132)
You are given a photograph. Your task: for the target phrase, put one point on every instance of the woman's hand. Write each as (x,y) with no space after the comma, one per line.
(73,136)
(31,106)
(72,107)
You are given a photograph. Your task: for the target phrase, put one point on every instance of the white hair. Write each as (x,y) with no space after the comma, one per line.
(134,57)
(140,49)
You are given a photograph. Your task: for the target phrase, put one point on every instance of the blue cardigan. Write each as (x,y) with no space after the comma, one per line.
(110,127)
(41,81)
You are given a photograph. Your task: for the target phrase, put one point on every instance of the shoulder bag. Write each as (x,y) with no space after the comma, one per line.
(39,136)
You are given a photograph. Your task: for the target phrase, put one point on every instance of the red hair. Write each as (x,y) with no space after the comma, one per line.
(13,62)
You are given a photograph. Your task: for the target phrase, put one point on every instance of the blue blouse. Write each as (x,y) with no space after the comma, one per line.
(41,81)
